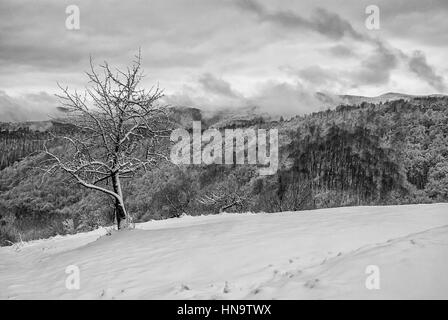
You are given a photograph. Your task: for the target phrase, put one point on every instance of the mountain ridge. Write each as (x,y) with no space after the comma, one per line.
(243,116)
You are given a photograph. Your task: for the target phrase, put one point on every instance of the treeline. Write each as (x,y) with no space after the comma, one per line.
(24,141)
(388,153)
(18,144)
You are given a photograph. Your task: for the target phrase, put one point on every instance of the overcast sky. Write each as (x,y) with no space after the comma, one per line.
(210,53)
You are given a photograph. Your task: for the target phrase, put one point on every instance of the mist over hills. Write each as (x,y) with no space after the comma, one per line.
(219,117)
(391,152)
(244,116)
(27,107)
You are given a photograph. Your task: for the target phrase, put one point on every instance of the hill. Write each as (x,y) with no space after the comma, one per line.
(332,101)
(394,152)
(320,254)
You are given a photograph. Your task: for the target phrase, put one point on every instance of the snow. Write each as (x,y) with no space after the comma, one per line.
(318,254)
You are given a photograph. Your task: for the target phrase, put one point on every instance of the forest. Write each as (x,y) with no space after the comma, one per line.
(394,152)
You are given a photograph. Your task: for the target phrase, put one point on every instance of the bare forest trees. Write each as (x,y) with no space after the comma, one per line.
(117,132)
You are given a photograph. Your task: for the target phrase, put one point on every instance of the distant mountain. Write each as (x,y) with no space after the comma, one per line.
(335,100)
(233,117)
(247,116)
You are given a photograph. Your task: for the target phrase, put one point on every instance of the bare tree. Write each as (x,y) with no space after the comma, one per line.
(223,199)
(117,128)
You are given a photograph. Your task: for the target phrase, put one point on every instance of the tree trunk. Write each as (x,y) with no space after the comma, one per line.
(120,210)
(119,215)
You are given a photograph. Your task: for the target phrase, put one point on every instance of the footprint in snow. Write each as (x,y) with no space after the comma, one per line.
(311,283)
(184,287)
(256,291)
(226,288)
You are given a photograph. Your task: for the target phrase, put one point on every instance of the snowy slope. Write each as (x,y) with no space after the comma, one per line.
(290,255)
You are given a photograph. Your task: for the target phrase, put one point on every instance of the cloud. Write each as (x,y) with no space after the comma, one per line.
(412,6)
(333,26)
(215,85)
(322,21)
(27,107)
(419,65)
(218,55)
(317,75)
(272,97)
(376,69)
(282,98)
(341,51)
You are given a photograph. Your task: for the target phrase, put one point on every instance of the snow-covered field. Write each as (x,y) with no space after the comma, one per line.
(290,255)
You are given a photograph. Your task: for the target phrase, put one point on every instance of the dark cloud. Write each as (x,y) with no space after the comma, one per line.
(424,22)
(424,71)
(38,40)
(406,7)
(333,26)
(215,85)
(33,34)
(322,21)
(376,69)
(341,51)
(190,42)
(51,57)
(317,75)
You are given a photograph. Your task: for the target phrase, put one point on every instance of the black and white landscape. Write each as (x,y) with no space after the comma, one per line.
(120,178)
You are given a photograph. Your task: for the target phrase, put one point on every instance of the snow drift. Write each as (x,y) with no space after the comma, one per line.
(319,254)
